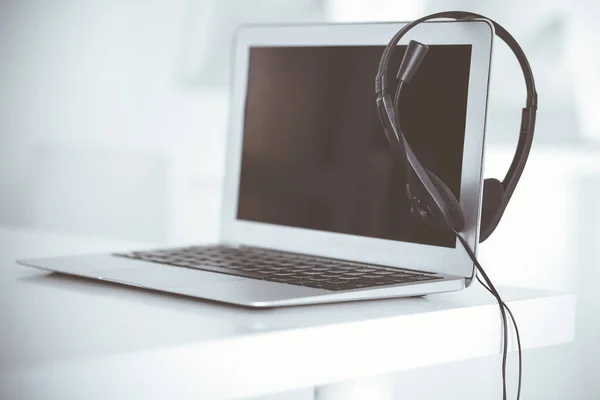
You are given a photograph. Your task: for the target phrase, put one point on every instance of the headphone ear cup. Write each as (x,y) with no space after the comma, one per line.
(458,218)
(493,193)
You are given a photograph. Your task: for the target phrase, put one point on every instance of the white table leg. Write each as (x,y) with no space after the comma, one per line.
(372,388)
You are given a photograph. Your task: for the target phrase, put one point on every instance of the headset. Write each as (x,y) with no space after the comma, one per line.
(431,200)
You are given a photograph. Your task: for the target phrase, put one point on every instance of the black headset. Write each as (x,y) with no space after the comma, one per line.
(431,200)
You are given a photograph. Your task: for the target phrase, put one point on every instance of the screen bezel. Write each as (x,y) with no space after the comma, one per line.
(453,261)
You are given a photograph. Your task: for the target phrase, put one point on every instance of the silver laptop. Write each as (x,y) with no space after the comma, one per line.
(314,208)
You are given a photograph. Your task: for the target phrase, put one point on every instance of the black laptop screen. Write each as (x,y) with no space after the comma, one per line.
(314,154)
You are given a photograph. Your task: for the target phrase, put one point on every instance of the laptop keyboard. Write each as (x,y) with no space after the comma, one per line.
(283,267)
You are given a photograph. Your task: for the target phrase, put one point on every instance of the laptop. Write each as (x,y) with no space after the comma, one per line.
(314,209)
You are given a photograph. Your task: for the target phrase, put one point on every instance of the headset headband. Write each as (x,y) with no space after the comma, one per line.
(528,116)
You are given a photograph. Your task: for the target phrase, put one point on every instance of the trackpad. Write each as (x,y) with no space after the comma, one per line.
(166,277)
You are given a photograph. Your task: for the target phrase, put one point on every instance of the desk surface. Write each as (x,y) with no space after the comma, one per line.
(76,338)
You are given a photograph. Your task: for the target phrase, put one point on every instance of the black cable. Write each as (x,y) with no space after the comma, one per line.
(503,308)
(496,294)
(397,103)
(490,286)
(396,118)
(514,322)
(396,111)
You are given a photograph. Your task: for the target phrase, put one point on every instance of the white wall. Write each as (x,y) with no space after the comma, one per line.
(95,104)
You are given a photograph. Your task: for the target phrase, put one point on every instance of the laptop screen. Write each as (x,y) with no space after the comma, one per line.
(315,156)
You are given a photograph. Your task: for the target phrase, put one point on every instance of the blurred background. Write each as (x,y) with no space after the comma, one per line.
(113,117)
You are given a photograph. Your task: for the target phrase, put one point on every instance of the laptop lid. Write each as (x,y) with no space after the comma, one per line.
(309,169)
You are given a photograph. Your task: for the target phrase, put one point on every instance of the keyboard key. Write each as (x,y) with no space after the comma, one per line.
(365,270)
(353,274)
(320,269)
(286,273)
(383,272)
(317,278)
(302,266)
(329,275)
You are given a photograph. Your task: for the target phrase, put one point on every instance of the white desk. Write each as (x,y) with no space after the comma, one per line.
(67,338)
